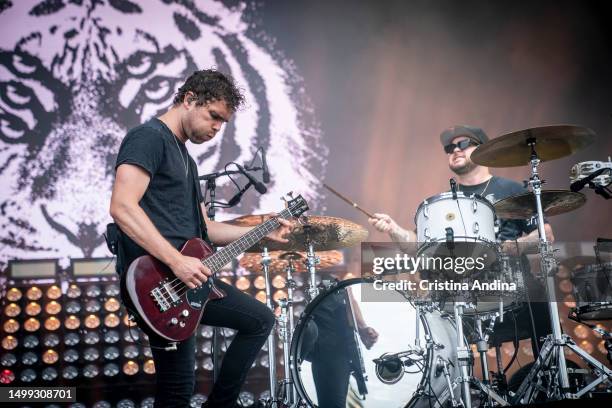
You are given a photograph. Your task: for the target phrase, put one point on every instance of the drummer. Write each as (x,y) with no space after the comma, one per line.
(459,142)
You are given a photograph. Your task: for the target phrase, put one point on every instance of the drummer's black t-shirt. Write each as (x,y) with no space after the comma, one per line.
(497,189)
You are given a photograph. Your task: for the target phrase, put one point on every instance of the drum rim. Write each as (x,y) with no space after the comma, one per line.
(448,195)
(306,316)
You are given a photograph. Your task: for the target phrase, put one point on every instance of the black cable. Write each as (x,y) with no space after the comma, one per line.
(516,343)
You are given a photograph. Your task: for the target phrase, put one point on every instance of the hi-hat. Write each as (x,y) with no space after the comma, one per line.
(324,232)
(523,206)
(551,142)
(279,260)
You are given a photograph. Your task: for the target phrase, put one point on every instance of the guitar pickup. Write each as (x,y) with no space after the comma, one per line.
(160,299)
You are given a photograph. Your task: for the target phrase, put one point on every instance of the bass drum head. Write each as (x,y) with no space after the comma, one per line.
(394,320)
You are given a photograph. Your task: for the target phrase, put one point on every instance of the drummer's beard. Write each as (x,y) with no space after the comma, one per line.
(464,168)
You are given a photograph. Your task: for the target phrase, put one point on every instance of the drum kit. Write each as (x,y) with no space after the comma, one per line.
(433,366)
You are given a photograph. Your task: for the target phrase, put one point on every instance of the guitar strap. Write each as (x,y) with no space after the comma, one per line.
(203,231)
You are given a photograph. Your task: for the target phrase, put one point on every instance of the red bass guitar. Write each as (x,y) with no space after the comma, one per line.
(165,304)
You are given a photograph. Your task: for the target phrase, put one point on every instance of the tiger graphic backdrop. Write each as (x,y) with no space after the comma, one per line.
(75,75)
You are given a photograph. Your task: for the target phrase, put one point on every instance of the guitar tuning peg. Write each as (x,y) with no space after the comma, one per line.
(290,194)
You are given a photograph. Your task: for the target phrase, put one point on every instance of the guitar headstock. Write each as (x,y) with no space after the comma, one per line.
(296,206)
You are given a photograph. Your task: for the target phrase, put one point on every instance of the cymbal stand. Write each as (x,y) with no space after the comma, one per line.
(287,390)
(265,264)
(551,361)
(463,356)
(311,262)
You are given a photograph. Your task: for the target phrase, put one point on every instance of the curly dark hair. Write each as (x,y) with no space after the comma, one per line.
(210,85)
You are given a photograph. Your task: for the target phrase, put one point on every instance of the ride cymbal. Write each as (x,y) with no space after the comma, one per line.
(523,206)
(551,142)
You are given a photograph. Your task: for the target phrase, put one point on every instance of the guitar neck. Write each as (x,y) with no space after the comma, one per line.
(221,258)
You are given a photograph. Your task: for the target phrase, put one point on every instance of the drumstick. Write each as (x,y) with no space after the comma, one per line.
(351,203)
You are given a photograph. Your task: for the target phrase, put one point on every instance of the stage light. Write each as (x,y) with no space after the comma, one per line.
(7,376)
(34,293)
(130,368)
(146,351)
(8,360)
(149,366)
(32,309)
(111,370)
(581,332)
(246,399)
(197,400)
(111,290)
(128,322)
(31,324)
(111,320)
(50,357)
(90,371)
(53,308)
(49,374)
(566,286)
(111,337)
(30,341)
(527,349)
(112,305)
(207,364)
(73,307)
(72,322)
(54,292)
(259,282)
(297,310)
(93,291)
(11,326)
(278,282)
(279,294)
(29,358)
(91,337)
(91,354)
(71,355)
(147,402)
(28,375)
(126,403)
(261,296)
(52,323)
(601,346)
(70,372)
(298,296)
(12,310)
(13,294)
(92,306)
(263,360)
(74,291)
(71,339)
(587,346)
(51,340)
(226,280)
(131,336)
(92,321)
(206,347)
(206,332)
(243,283)
(102,404)
(111,353)
(130,352)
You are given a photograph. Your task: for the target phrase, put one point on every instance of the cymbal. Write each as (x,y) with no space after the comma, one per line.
(523,206)
(326,233)
(280,259)
(551,142)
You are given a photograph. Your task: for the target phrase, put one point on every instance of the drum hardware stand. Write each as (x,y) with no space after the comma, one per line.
(311,262)
(463,357)
(265,263)
(442,365)
(552,357)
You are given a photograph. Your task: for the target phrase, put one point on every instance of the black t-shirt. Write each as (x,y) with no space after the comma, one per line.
(171,197)
(497,189)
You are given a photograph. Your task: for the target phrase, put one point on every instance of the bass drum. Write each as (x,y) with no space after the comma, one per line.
(324,338)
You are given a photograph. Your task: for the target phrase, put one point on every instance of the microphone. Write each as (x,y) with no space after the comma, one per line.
(264,165)
(236,198)
(453,186)
(580,184)
(259,186)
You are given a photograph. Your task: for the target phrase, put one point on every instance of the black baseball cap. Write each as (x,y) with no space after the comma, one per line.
(476,134)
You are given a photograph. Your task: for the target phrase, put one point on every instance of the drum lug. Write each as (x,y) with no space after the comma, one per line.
(475,227)
(474,204)
(425,209)
(426,234)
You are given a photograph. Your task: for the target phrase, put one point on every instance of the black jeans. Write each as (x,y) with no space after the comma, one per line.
(175,373)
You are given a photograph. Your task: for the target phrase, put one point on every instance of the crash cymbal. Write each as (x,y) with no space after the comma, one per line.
(523,206)
(326,233)
(551,142)
(280,259)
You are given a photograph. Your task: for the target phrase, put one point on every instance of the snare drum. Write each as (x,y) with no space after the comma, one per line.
(470,221)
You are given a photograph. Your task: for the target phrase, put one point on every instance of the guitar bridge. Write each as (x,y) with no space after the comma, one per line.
(164,296)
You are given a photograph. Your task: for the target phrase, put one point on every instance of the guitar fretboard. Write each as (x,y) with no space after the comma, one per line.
(219,259)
